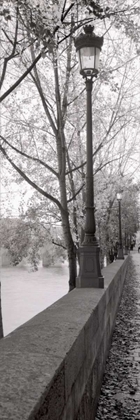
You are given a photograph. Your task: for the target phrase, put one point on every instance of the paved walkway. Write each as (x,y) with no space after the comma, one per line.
(120,392)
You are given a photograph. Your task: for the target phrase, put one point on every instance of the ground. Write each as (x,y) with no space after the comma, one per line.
(120,392)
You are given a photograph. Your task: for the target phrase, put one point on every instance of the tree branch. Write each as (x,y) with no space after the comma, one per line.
(77,192)
(66,84)
(30,182)
(31,157)
(55,243)
(12,53)
(20,79)
(14,86)
(37,82)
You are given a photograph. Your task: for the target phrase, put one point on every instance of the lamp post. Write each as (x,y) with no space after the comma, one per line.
(120,250)
(126,250)
(88,46)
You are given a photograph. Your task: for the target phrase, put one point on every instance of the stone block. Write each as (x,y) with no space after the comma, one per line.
(73,363)
(86,405)
(90,328)
(52,405)
(1,324)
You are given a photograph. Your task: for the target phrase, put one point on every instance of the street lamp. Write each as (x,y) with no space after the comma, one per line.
(120,250)
(88,46)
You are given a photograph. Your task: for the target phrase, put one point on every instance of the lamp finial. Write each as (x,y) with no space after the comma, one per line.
(88,29)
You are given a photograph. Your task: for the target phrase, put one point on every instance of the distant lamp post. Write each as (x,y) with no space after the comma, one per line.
(88,47)
(120,250)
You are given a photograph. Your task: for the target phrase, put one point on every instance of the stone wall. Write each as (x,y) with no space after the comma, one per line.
(1,326)
(51,367)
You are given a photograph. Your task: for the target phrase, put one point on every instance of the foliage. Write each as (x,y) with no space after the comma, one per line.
(15,238)
(44,122)
(107,211)
(26,239)
(50,23)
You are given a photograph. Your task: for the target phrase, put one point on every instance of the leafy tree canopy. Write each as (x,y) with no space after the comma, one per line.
(43,134)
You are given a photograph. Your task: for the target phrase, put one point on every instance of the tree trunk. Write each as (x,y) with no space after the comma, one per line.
(71,250)
(72,267)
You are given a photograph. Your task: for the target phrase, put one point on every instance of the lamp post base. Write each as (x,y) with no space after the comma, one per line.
(90,272)
(120,254)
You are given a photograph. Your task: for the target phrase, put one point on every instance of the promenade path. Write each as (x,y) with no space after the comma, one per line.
(120,392)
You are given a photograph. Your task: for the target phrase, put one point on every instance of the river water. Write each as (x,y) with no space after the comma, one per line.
(24,294)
